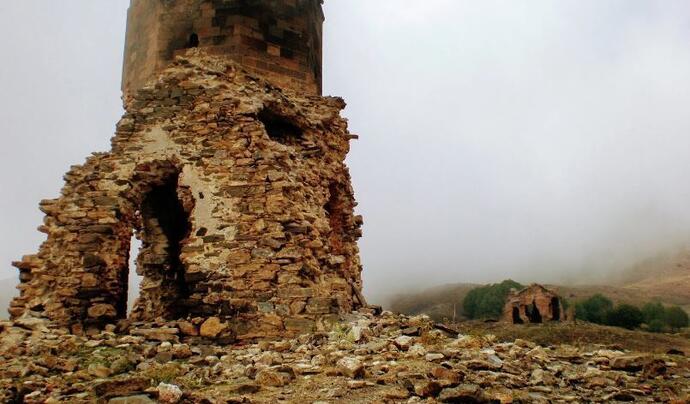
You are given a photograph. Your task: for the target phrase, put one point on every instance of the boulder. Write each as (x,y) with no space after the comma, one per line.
(212,327)
(351,367)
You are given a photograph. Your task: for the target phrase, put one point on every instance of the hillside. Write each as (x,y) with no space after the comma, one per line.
(670,281)
(665,278)
(441,302)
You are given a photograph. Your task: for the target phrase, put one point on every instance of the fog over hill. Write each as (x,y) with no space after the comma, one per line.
(535,140)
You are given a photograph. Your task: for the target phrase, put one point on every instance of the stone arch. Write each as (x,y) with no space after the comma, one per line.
(533,313)
(193,41)
(516,315)
(161,220)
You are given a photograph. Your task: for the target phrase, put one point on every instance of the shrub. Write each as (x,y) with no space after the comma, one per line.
(594,309)
(656,325)
(653,311)
(676,318)
(488,301)
(626,316)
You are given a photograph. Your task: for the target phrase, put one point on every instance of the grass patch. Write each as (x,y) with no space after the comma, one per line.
(104,356)
(165,373)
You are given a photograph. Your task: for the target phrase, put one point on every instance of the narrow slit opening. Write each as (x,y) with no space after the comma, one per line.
(134,279)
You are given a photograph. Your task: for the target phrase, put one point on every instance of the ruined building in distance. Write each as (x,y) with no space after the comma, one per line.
(228,165)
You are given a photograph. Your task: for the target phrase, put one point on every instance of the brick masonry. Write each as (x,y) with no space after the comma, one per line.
(281,39)
(240,195)
(534,304)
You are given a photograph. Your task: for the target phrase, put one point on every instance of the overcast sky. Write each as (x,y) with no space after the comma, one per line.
(539,140)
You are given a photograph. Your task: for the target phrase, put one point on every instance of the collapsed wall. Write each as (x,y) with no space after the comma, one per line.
(239,193)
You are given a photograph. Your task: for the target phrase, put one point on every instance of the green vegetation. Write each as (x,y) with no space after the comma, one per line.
(676,318)
(488,301)
(594,309)
(164,373)
(599,309)
(625,316)
(656,325)
(654,311)
(659,318)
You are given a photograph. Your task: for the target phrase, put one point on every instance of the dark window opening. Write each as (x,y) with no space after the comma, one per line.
(533,313)
(555,309)
(516,316)
(193,41)
(280,129)
(164,226)
(287,53)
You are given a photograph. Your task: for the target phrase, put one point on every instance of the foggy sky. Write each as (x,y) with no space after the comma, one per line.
(538,140)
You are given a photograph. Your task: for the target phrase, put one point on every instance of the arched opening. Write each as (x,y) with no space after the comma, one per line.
(279,128)
(193,41)
(533,313)
(555,309)
(163,226)
(516,316)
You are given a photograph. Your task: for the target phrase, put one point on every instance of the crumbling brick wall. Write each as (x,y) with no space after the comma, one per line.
(534,304)
(239,193)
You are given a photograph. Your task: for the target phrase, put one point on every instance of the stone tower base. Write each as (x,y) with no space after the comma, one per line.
(239,194)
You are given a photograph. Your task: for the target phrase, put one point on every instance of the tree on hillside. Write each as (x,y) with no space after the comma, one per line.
(488,301)
(653,311)
(656,325)
(626,316)
(676,318)
(594,309)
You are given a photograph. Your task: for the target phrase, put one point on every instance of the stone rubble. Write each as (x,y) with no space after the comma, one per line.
(363,358)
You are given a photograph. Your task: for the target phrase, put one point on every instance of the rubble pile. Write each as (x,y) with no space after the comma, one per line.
(365,358)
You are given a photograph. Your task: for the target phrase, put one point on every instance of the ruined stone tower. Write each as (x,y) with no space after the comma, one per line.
(280,39)
(228,166)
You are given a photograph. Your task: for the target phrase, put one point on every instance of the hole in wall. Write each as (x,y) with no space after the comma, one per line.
(555,309)
(193,41)
(164,225)
(279,128)
(516,316)
(533,313)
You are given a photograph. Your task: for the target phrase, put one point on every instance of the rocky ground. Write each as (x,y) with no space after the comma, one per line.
(366,358)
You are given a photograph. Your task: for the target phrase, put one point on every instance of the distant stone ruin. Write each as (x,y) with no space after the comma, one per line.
(233,180)
(534,304)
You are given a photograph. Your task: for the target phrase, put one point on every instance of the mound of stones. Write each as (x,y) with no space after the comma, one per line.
(365,357)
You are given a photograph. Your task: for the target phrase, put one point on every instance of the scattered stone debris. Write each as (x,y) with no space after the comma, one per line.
(47,364)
